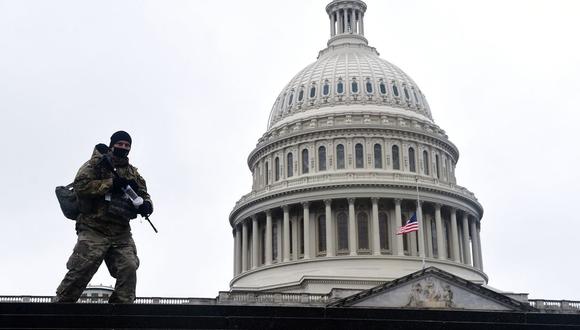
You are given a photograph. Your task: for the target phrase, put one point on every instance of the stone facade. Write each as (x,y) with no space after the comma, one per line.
(351,152)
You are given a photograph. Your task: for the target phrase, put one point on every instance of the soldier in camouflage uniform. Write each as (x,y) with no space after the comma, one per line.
(103,226)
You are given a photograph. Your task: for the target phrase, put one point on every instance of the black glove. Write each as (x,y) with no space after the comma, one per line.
(102,148)
(145,209)
(119,184)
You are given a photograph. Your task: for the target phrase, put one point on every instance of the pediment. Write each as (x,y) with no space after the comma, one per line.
(432,288)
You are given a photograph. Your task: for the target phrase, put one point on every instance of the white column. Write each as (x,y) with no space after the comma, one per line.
(255,241)
(479,245)
(295,239)
(454,236)
(400,246)
(421,232)
(375,230)
(474,247)
(306,225)
(465,230)
(329,231)
(351,227)
(440,237)
(244,246)
(286,230)
(332,31)
(268,237)
(237,251)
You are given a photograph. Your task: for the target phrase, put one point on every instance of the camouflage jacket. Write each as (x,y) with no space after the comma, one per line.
(93,184)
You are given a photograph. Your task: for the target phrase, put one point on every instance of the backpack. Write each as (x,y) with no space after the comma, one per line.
(67,198)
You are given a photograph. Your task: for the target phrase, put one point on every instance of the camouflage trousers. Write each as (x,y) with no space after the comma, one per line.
(91,249)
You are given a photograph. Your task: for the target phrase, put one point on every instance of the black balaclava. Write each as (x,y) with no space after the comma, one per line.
(120,136)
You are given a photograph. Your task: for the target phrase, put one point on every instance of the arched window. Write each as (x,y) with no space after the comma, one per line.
(396,162)
(289,165)
(384,231)
(362,222)
(415,95)
(446,169)
(437,166)
(301,94)
(276,169)
(290,98)
(369,86)
(326,88)
(312,92)
(321,226)
(426,161)
(342,232)
(340,87)
(322,158)
(340,156)
(412,166)
(406,93)
(304,161)
(266,173)
(378,156)
(354,86)
(359,157)
(382,87)
(395,89)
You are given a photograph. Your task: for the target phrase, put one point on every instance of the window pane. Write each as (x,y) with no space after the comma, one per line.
(290,165)
(312,92)
(396,163)
(342,230)
(412,160)
(305,161)
(406,93)
(369,87)
(354,87)
(363,231)
(277,169)
(322,233)
(325,89)
(358,150)
(321,158)
(395,90)
(290,99)
(384,231)
(437,165)
(266,172)
(340,156)
(340,87)
(301,95)
(383,88)
(426,162)
(378,156)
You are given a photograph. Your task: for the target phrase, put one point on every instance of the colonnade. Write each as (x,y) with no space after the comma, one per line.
(352,227)
(346,20)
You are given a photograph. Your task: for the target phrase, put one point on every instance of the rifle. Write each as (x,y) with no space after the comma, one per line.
(137,200)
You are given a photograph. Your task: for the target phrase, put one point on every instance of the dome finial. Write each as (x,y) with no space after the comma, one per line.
(346,21)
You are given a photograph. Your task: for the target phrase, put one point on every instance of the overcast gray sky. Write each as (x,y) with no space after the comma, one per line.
(194,81)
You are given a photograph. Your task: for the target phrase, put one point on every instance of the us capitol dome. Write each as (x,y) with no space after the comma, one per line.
(350,154)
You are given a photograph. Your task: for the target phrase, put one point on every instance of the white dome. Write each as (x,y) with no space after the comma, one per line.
(366,79)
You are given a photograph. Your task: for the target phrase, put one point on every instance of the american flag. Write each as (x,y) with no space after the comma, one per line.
(410,226)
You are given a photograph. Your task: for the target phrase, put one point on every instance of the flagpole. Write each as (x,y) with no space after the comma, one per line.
(420,231)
